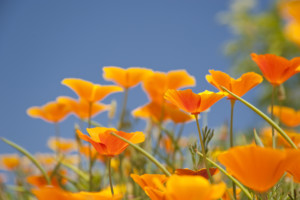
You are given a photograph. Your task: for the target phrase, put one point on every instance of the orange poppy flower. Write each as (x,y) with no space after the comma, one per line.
(191,187)
(81,107)
(158,83)
(201,172)
(156,111)
(107,144)
(192,102)
(292,163)
(125,78)
(88,91)
(276,69)
(52,112)
(63,145)
(238,86)
(9,161)
(256,167)
(40,181)
(288,116)
(292,32)
(229,194)
(149,180)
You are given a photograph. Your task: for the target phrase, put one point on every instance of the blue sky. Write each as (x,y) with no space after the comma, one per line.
(43,42)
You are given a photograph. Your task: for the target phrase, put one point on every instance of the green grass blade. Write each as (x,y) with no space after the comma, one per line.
(264,116)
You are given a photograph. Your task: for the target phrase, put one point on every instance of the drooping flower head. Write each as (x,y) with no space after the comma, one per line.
(276,69)
(107,144)
(126,78)
(81,107)
(88,91)
(52,112)
(158,83)
(238,86)
(191,102)
(256,167)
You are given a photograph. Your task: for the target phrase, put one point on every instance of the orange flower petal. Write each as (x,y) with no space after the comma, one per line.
(292,163)
(288,116)
(256,167)
(126,78)
(201,172)
(147,180)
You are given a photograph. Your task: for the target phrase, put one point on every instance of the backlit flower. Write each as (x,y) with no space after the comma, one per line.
(191,102)
(149,180)
(238,86)
(288,116)
(256,167)
(292,163)
(88,91)
(40,181)
(125,78)
(276,69)
(107,144)
(53,112)
(158,83)
(81,107)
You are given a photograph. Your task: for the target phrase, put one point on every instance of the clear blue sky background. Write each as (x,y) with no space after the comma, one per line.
(43,42)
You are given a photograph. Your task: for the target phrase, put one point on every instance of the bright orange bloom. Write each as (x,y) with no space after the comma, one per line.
(288,116)
(81,107)
(62,145)
(88,91)
(158,112)
(126,78)
(276,69)
(107,144)
(149,180)
(183,187)
(256,167)
(40,181)
(238,86)
(201,172)
(229,194)
(192,102)
(52,112)
(292,163)
(158,83)
(292,31)
(9,161)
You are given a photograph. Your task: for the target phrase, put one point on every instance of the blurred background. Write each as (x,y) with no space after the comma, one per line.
(43,42)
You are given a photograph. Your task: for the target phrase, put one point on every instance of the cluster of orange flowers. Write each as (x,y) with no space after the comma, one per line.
(258,168)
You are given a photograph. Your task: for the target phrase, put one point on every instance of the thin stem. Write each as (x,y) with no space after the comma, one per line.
(109,175)
(57,137)
(90,149)
(203,149)
(232,102)
(272,117)
(146,154)
(123,112)
(264,116)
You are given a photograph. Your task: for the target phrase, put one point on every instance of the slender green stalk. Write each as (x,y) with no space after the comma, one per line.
(232,102)
(110,178)
(228,175)
(123,112)
(265,117)
(29,156)
(90,149)
(203,149)
(257,140)
(146,154)
(272,117)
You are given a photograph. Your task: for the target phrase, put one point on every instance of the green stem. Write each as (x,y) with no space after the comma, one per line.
(264,116)
(228,175)
(123,112)
(30,157)
(232,102)
(203,149)
(146,154)
(110,178)
(90,149)
(272,117)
